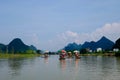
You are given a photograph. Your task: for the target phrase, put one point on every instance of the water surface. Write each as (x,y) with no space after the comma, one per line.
(86,68)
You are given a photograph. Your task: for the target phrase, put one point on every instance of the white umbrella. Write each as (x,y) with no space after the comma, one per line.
(76,51)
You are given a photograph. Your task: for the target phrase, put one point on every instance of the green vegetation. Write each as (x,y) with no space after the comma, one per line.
(18,55)
(85,52)
(98,54)
(117,53)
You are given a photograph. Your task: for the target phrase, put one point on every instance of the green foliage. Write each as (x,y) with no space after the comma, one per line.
(18,55)
(117,44)
(29,51)
(39,51)
(83,51)
(117,53)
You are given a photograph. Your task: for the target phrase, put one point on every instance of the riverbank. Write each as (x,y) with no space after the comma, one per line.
(18,55)
(98,54)
(25,55)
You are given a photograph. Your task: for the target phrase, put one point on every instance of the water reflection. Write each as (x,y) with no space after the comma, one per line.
(101,68)
(108,68)
(63,64)
(15,65)
(86,68)
(46,60)
(70,65)
(117,63)
(77,64)
(3,63)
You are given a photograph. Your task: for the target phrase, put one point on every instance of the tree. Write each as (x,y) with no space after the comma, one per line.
(29,51)
(39,51)
(83,51)
(117,44)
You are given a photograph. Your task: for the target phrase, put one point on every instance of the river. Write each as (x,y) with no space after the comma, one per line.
(51,68)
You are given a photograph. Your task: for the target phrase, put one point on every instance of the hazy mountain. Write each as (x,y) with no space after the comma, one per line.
(72,46)
(103,43)
(17,45)
(89,45)
(117,44)
(33,48)
(2,48)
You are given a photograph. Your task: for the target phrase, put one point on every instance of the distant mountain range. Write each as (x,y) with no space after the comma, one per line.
(103,43)
(2,48)
(16,46)
(72,47)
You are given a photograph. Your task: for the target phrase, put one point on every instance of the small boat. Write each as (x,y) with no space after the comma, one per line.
(62,55)
(77,55)
(46,55)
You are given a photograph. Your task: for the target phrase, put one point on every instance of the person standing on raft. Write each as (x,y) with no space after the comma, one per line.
(69,54)
(62,55)
(46,54)
(77,54)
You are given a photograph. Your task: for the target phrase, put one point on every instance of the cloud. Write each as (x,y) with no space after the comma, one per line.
(111,31)
(68,36)
(35,39)
(32,38)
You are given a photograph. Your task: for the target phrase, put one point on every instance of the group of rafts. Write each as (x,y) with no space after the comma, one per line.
(63,55)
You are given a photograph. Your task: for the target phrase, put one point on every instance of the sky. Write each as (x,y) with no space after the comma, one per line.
(52,24)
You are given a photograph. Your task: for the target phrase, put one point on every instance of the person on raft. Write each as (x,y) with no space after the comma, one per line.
(46,54)
(77,54)
(62,55)
(69,55)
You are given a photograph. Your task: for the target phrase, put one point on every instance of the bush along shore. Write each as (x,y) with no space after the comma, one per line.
(98,54)
(18,55)
(112,53)
(30,55)
(117,53)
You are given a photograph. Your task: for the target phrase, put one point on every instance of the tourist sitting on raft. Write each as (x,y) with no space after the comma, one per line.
(46,54)
(77,54)
(62,55)
(69,54)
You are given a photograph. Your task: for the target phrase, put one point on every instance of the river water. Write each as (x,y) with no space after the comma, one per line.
(51,68)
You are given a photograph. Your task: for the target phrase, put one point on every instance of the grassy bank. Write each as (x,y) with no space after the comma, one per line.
(26,55)
(98,54)
(18,55)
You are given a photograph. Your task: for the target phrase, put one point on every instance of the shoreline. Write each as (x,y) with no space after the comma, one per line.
(18,55)
(98,54)
(25,55)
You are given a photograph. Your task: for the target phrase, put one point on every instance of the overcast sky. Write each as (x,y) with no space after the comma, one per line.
(52,24)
